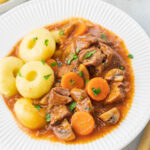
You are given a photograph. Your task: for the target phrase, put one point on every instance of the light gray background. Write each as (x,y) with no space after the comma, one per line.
(140,11)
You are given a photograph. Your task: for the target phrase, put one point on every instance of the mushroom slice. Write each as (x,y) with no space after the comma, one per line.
(85,72)
(112,116)
(116,93)
(115,75)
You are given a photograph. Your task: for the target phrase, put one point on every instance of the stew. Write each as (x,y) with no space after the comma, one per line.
(90,80)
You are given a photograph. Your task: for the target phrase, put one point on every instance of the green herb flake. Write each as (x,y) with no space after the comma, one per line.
(35,38)
(81,97)
(130,56)
(72,81)
(72,106)
(77,50)
(87,81)
(37,107)
(59,65)
(48,117)
(73,57)
(19,74)
(96,91)
(43,62)
(103,37)
(80,73)
(121,67)
(47,76)
(89,54)
(61,32)
(46,42)
(88,109)
(53,64)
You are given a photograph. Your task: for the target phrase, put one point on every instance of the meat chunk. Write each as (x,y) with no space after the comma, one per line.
(57,96)
(115,75)
(84,105)
(65,69)
(91,56)
(69,29)
(58,113)
(88,40)
(78,94)
(64,131)
(116,93)
(112,116)
(107,51)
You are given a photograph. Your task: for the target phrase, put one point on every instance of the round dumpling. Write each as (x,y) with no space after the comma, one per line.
(37,45)
(35,80)
(9,66)
(28,115)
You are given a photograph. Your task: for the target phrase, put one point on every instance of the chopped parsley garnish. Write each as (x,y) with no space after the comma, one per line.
(43,62)
(121,67)
(130,56)
(77,50)
(89,54)
(87,81)
(46,42)
(81,97)
(19,74)
(47,76)
(72,106)
(53,64)
(74,57)
(96,91)
(80,73)
(61,32)
(103,37)
(37,107)
(59,65)
(72,81)
(35,38)
(48,117)
(88,109)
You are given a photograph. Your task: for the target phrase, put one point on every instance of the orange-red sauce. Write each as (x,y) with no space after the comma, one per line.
(124,106)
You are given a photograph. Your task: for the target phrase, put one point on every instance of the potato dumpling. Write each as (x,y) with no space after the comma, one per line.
(56,35)
(37,45)
(9,66)
(28,115)
(35,79)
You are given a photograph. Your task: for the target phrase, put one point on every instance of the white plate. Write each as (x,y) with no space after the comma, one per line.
(9,4)
(17,22)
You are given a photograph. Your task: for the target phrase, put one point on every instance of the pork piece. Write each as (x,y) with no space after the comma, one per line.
(64,131)
(88,40)
(58,113)
(65,69)
(84,105)
(78,94)
(112,116)
(116,93)
(115,75)
(107,51)
(69,29)
(91,56)
(57,96)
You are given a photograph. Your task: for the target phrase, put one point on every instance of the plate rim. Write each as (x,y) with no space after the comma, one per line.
(131,138)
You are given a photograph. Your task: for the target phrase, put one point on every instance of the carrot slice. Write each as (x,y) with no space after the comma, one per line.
(97,88)
(72,80)
(53,64)
(82,122)
(81,29)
